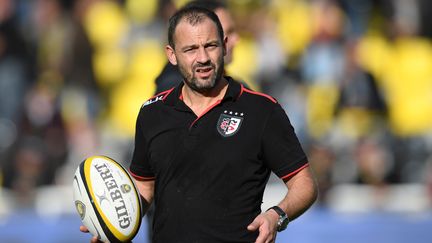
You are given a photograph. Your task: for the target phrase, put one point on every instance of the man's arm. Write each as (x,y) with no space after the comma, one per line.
(146,190)
(302,193)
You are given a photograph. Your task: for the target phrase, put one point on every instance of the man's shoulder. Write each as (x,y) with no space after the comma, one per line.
(242,91)
(258,97)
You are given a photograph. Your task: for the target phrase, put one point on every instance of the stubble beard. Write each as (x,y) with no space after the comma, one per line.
(203,86)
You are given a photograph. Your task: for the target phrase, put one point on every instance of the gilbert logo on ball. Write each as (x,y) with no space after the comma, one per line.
(107,199)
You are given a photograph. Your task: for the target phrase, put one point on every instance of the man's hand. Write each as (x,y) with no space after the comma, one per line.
(93,239)
(266,223)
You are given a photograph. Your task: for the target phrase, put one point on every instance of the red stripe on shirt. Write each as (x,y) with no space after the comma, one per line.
(142,178)
(257,93)
(166,93)
(288,176)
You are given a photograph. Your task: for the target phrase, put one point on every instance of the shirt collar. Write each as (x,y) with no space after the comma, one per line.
(232,93)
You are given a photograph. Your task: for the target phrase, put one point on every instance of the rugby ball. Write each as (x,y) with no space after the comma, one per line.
(107,199)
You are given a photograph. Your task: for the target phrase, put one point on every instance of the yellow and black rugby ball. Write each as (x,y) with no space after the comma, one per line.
(107,199)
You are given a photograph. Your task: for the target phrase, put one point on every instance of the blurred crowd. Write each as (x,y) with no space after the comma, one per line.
(355,77)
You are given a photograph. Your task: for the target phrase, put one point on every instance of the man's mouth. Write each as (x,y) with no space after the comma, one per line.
(204,71)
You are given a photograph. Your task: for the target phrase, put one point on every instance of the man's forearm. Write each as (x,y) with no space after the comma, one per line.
(146,190)
(145,205)
(302,193)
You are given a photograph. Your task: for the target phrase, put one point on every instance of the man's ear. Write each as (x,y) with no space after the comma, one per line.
(224,45)
(171,55)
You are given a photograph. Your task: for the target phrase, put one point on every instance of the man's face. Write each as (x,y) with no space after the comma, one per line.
(199,54)
(228,27)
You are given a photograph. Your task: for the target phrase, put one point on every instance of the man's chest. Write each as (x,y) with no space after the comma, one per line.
(225,137)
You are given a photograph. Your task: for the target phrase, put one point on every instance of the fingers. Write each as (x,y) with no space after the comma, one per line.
(254,225)
(265,235)
(95,240)
(83,229)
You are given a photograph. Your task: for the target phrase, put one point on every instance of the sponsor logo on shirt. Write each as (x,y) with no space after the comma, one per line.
(153,100)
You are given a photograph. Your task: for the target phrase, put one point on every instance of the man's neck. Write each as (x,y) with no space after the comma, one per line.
(199,102)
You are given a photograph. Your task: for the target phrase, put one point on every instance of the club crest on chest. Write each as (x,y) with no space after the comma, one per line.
(229,123)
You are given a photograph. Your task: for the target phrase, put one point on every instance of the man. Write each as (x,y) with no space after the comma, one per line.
(170,75)
(204,150)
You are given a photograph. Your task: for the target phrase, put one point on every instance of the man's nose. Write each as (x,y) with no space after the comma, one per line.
(203,56)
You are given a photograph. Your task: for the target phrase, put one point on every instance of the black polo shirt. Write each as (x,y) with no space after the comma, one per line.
(210,171)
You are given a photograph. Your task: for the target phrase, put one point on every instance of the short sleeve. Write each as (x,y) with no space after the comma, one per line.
(281,147)
(140,168)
